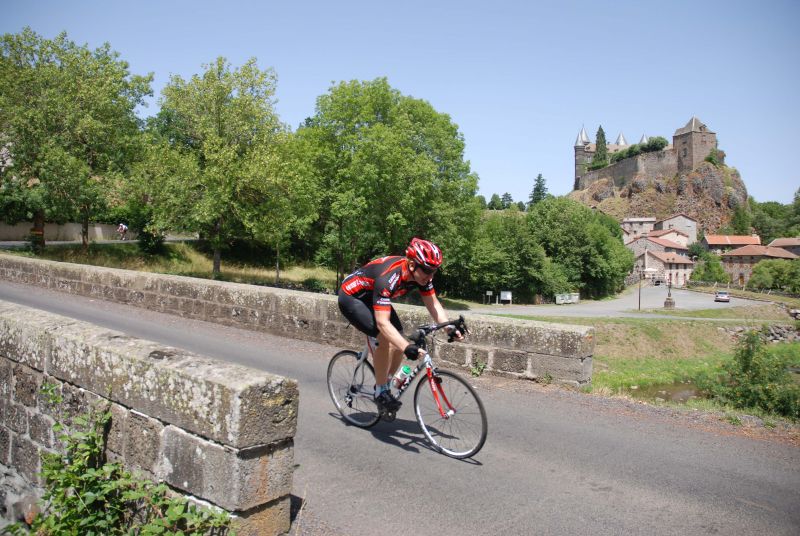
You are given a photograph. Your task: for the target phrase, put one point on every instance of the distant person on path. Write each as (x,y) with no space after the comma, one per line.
(365,299)
(122,229)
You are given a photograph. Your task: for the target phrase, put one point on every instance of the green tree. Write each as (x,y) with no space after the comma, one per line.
(506,200)
(67,121)
(507,257)
(709,269)
(600,158)
(221,163)
(741,220)
(780,274)
(582,243)
(539,191)
(495,203)
(481,201)
(391,167)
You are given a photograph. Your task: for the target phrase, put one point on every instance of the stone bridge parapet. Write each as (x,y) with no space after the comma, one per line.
(523,349)
(214,431)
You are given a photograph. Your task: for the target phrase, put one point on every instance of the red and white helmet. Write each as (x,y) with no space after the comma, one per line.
(424,253)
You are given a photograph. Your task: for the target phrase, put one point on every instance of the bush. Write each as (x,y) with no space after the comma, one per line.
(757,377)
(85,495)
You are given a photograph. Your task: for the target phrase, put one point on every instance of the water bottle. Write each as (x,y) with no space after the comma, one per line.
(400,376)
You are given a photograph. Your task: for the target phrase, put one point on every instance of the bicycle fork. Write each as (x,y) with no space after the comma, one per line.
(438,395)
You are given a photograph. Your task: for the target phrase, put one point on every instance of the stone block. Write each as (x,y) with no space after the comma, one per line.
(40,430)
(115,441)
(25,457)
(142,441)
(15,417)
(27,383)
(5,445)
(6,366)
(453,353)
(233,479)
(571,371)
(509,361)
(269,519)
(477,355)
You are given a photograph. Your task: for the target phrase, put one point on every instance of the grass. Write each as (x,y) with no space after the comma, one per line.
(769,312)
(185,259)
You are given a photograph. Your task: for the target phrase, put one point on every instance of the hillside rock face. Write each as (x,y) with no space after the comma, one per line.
(708,194)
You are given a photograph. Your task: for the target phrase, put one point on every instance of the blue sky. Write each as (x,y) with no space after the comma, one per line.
(520,79)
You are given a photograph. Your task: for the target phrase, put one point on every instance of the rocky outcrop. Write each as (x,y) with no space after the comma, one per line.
(708,193)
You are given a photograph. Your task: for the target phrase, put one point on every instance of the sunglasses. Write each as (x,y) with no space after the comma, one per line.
(427,270)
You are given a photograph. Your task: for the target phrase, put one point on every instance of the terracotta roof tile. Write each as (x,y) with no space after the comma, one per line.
(673,258)
(782,242)
(667,243)
(661,232)
(760,251)
(732,240)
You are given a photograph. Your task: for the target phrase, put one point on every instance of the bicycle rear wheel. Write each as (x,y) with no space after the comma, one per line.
(352,387)
(461,431)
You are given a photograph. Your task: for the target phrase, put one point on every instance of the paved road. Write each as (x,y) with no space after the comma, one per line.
(625,305)
(556,462)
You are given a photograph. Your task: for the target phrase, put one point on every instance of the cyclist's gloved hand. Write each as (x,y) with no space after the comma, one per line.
(454,334)
(412,351)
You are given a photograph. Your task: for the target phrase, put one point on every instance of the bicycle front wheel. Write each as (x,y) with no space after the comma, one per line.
(451,415)
(352,389)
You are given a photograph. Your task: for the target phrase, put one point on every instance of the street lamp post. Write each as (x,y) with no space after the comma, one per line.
(639,271)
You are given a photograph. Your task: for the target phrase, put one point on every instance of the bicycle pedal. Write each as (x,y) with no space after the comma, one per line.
(389,416)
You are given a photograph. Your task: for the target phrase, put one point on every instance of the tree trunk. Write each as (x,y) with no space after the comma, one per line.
(215,270)
(277,265)
(85,230)
(37,233)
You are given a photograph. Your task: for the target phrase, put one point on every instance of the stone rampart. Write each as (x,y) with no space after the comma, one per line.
(62,232)
(215,431)
(658,164)
(523,349)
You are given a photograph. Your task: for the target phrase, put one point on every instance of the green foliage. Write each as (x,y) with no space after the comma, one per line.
(67,115)
(713,157)
(507,200)
(600,158)
(390,167)
(773,220)
(495,203)
(539,191)
(585,245)
(505,256)
(709,268)
(741,220)
(777,274)
(656,143)
(85,495)
(477,368)
(758,377)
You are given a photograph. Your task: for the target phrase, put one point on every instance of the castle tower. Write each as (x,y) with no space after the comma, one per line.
(621,141)
(583,155)
(692,144)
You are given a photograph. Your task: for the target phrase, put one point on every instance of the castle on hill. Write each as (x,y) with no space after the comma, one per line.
(690,146)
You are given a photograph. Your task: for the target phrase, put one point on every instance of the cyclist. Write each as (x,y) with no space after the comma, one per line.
(122,229)
(365,299)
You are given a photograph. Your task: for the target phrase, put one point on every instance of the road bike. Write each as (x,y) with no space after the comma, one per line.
(447,408)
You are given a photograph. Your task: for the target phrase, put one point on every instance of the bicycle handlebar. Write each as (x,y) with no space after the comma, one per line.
(422,331)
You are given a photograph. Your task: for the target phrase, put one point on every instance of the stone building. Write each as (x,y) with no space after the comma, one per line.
(739,263)
(636,227)
(673,235)
(690,146)
(680,222)
(792,245)
(647,243)
(665,267)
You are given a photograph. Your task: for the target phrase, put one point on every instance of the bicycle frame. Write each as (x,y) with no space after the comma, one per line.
(426,363)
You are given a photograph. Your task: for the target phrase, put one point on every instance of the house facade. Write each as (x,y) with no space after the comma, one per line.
(739,263)
(671,268)
(636,227)
(679,222)
(672,235)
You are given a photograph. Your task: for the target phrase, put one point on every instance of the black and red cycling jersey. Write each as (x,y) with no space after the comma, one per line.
(381,280)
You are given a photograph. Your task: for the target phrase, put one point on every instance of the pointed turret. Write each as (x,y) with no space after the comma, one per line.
(643,140)
(582,139)
(621,140)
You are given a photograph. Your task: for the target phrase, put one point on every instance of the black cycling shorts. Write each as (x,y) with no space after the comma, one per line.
(362,316)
